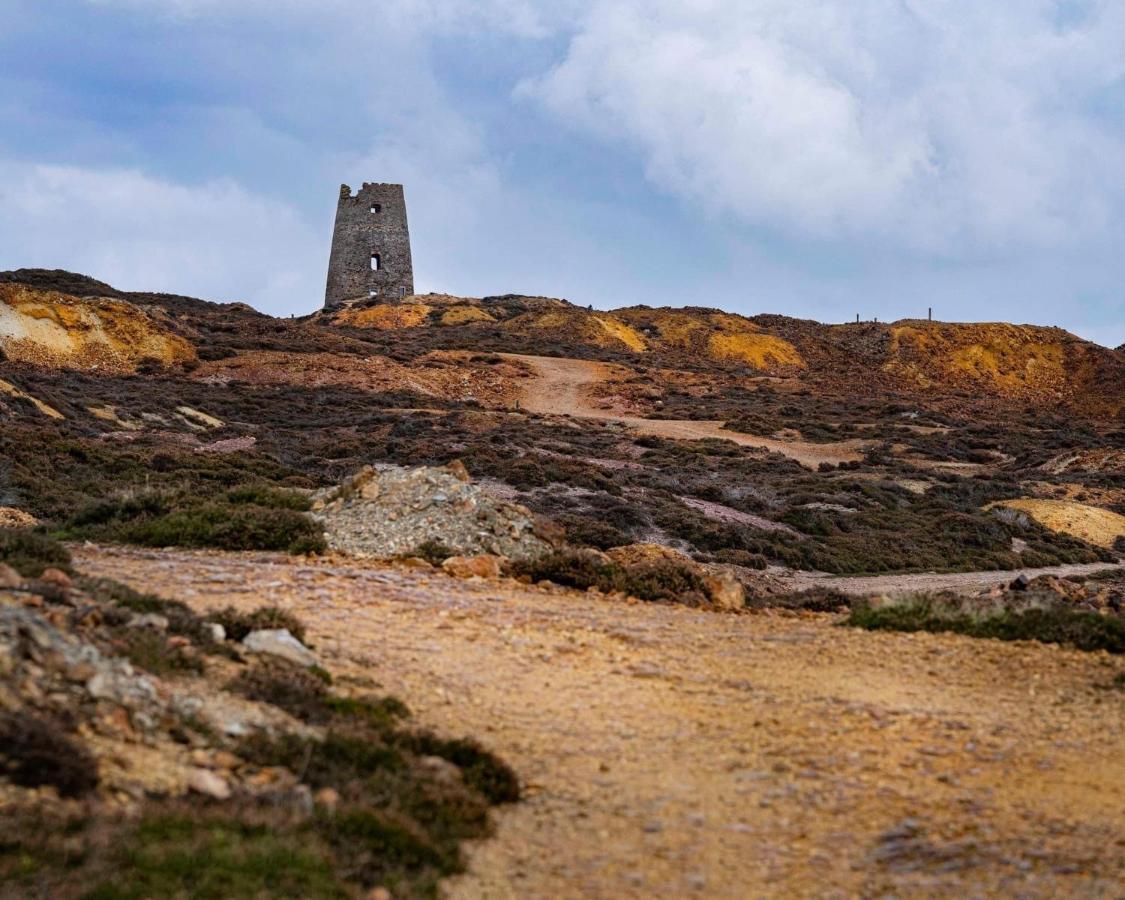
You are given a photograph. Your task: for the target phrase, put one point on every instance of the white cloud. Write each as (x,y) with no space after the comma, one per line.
(214,240)
(877,127)
(954,127)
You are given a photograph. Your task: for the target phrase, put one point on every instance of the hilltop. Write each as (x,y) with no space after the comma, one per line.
(1012,363)
(944,363)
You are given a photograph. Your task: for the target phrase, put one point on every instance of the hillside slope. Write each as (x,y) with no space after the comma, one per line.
(1011,364)
(98,333)
(752,442)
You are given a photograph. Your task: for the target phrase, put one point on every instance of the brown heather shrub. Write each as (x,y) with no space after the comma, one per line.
(36,751)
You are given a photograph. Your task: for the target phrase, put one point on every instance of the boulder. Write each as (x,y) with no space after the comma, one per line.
(1060,587)
(154,621)
(443,770)
(483,566)
(9,577)
(209,784)
(57,577)
(725,591)
(457,470)
(280,643)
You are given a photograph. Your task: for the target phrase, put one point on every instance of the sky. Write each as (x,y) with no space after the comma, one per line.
(816,158)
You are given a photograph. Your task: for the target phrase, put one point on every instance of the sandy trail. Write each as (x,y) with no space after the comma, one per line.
(671,752)
(561,387)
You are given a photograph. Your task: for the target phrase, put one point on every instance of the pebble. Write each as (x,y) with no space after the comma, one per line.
(206,782)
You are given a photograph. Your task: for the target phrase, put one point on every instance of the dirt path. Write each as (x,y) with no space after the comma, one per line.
(935,581)
(561,387)
(676,753)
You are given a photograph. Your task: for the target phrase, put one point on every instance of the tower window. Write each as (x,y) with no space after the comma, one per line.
(376,262)
(376,208)
(402,291)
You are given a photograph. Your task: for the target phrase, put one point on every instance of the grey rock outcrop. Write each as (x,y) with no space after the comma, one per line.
(392,511)
(279,642)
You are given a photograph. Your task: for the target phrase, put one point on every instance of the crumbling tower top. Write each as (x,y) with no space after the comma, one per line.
(370,247)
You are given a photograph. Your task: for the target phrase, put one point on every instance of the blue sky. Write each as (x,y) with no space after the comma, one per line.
(818,158)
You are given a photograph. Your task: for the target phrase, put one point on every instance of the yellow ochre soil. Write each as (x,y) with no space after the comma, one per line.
(1091,523)
(51,329)
(669,752)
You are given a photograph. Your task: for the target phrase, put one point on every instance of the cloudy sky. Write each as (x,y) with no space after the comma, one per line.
(818,158)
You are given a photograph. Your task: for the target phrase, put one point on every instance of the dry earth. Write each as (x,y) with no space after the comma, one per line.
(1090,523)
(670,752)
(451,375)
(563,386)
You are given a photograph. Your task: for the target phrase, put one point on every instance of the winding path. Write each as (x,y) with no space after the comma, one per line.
(561,387)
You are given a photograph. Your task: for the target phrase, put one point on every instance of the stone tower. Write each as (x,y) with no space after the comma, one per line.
(370,247)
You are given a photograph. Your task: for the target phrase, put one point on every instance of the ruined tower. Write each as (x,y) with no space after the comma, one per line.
(370,247)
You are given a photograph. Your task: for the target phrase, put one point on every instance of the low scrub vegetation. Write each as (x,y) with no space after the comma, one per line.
(664,581)
(817,599)
(31,552)
(605,487)
(239,624)
(242,518)
(36,751)
(357,802)
(1049,623)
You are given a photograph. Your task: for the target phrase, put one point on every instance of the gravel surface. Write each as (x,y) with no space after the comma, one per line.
(669,752)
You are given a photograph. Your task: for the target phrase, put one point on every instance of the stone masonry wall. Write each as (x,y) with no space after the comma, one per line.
(370,223)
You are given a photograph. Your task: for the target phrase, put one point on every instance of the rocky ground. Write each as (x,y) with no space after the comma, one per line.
(674,752)
(396,512)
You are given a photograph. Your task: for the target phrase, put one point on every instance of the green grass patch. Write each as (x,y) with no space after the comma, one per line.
(211,856)
(151,650)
